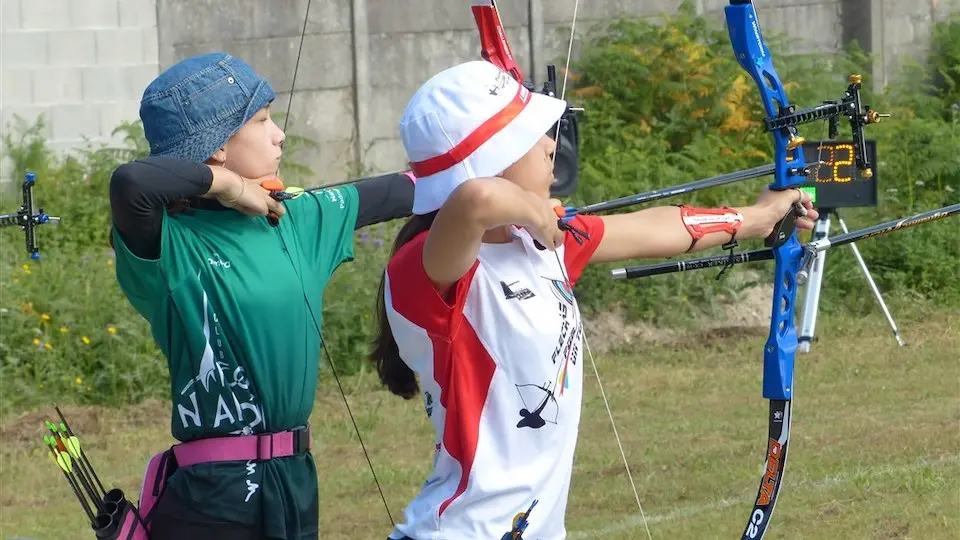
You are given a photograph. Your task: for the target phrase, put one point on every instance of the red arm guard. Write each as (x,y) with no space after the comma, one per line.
(703,221)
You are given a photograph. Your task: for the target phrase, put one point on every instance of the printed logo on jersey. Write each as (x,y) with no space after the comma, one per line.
(511,291)
(520,524)
(539,405)
(216,262)
(567,349)
(428,403)
(336,196)
(561,290)
(252,487)
(219,394)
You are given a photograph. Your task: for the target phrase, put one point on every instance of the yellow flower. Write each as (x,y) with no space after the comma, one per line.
(85,340)
(47,346)
(36,341)
(64,329)
(26,268)
(79,380)
(112,329)
(109,262)
(45,317)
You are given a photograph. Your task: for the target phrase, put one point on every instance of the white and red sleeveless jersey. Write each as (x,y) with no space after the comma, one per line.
(500,368)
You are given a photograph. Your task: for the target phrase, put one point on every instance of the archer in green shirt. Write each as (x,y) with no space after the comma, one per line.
(234,301)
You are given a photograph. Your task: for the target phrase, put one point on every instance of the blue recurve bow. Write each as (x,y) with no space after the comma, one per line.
(789,173)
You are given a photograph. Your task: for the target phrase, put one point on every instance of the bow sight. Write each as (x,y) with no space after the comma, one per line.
(566,133)
(25,218)
(850,106)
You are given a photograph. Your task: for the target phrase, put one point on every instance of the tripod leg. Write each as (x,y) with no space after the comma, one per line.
(876,291)
(811,300)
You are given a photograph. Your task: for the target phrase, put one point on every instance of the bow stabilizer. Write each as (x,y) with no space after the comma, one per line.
(25,218)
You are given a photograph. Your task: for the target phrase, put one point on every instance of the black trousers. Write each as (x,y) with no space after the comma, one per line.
(173,520)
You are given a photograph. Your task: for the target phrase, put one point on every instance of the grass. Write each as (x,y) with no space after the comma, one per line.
(874,449)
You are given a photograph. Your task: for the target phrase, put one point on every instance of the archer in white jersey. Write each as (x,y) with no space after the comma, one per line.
(477,311)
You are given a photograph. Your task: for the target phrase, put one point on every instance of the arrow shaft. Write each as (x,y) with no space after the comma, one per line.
(885,228)
(83,455)
(757,255)
(657,194)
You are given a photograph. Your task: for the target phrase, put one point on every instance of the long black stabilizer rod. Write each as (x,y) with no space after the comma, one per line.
(640,198)
(810,250)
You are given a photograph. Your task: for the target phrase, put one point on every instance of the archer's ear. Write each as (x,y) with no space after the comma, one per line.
(220,156)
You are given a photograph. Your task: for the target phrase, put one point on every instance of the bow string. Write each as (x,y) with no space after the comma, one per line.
(323,341)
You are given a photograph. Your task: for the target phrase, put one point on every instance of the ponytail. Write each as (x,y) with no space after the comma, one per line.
(394,372)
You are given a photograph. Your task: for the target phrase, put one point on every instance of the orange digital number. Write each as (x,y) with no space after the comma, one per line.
(838,164)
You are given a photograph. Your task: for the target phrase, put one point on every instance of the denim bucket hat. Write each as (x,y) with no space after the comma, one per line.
(193,107)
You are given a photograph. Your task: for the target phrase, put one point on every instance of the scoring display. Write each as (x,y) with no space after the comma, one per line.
(838,183)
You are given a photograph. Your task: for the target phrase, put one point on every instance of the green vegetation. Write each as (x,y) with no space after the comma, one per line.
(664,103)
(873,455)
(667,103)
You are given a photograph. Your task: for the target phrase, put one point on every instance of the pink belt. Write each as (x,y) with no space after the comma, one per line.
(244,447)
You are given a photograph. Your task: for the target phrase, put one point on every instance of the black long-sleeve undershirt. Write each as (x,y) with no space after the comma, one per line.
(140,190)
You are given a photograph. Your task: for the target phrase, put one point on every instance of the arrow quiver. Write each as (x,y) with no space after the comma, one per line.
(25,218)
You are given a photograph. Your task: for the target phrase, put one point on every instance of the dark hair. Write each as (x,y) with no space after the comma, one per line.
(394,373)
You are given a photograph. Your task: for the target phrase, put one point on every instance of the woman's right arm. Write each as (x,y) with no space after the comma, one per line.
(140,190)
(476,206)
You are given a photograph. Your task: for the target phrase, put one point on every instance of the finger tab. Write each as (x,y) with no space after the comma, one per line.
(273,184)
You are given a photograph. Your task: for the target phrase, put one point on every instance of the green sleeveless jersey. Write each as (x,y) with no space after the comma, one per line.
(235,306)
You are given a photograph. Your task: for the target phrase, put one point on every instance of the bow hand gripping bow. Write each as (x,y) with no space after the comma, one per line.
(25,218)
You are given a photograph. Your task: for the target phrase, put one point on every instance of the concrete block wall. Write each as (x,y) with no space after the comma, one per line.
(902,30)
(403,46)
(83,64)
(266,34)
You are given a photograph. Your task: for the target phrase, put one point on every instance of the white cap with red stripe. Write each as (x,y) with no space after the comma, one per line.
(470,121)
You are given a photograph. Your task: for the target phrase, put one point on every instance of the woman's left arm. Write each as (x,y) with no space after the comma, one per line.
(666,231)
(384,198)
